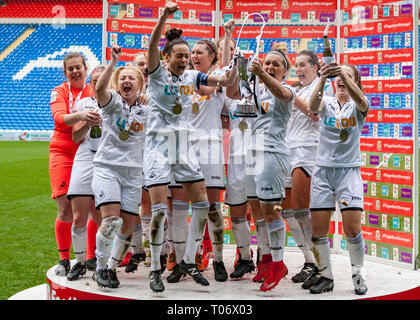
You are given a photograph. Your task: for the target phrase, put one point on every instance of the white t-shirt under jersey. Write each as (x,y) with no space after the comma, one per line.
(162,100)
(112,150)
(332,152)
(269,129)
(301,130)
(83,152)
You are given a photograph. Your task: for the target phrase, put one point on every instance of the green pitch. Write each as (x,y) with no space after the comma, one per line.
(27,217)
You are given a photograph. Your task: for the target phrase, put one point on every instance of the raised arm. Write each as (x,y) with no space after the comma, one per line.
(232,91)
(153,53)
(315,103)
(104,95)
(225,80)
(226,55)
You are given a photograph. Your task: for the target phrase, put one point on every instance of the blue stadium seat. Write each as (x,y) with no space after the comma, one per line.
(24,103)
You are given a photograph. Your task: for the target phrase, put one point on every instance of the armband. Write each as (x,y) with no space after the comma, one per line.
(202,79)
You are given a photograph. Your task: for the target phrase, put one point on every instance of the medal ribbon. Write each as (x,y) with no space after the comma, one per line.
(129,115)
(339,113)
(71,105)
(172,87)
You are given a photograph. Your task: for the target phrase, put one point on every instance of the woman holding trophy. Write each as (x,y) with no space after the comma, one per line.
(270,161)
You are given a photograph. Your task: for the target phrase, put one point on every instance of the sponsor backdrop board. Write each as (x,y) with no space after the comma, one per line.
(376,36)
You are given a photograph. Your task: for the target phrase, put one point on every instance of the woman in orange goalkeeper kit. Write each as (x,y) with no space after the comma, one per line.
(62,148)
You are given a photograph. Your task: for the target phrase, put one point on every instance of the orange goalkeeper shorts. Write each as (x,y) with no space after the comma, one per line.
(60,165)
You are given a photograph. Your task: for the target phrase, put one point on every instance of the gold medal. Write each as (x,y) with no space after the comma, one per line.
(177,109)
(243,126)
(123,135)
(344,135)
(195,108)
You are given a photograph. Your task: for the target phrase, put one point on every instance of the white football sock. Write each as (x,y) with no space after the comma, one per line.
(170,237)
(180,227)
(357,254)
(145,221)
(198,221)
(119,249)
(136,240)
(303,217)
(262,235)
(79,239)
(216,230)
(321,250)
(241,232)
(156,234)
(277,238)
(104,237)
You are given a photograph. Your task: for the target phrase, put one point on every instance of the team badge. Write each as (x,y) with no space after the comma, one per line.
(53,96)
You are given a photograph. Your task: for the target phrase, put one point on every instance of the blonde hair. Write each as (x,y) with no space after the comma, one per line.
(116,75)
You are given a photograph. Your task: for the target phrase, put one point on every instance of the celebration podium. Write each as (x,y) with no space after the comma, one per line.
(384,282)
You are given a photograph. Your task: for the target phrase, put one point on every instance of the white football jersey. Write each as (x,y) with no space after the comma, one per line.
(240,140)
(269,129)
(206,117)
(301,130)
(332,151)
(164,88)
(117,115)
(83,152)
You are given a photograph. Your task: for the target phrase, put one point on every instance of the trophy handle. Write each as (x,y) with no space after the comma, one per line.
(257,38)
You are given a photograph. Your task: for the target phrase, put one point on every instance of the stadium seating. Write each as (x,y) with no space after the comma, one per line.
(49,9)
(34,68)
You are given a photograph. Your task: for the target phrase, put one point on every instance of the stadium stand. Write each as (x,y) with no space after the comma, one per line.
(45,9)
(31,58)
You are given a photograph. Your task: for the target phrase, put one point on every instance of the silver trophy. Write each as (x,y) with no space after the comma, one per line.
(248,107)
